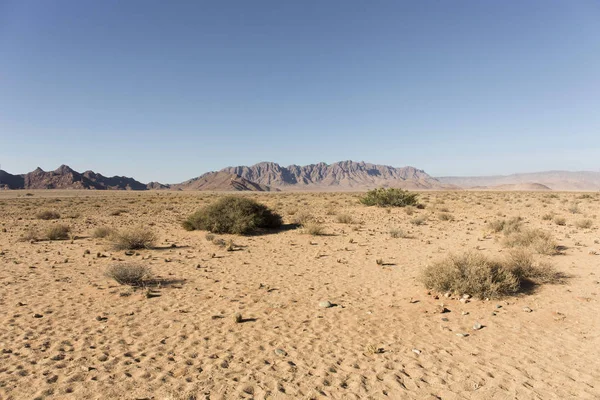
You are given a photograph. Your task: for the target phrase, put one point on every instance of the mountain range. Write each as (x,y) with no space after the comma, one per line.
(339,176)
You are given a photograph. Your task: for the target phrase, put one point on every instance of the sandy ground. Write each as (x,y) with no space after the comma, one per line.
(69,332)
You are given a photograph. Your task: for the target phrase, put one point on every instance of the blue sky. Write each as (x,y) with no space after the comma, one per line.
(169,90)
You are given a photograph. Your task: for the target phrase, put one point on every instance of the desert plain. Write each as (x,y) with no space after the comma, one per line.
(68,331)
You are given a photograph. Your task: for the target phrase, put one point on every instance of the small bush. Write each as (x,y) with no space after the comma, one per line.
(345,219)
(116,213)
(389,198)
(233,214)
(418,221)
(133,239)
(560,221)
(506,226)
(444,216)
(397,233)
(129,274)
(303,217)
(314,228)
(547,217)
(584,223)
(409,210)
(538,240)
(47,215)
(574,208)
(479,276)
(57,232)
(102,232)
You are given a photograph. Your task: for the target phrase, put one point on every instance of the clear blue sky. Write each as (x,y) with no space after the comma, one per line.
(167,90)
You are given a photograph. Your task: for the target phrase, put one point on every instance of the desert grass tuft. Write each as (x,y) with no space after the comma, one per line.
(133,239)
(129,274)
(47,215)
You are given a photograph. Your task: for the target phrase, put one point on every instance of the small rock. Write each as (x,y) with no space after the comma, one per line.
(37,315)
(464,301)
(462,334)
(527,309)
(102,357)
(445,319)
(280,352)
(498,306)
(447,295)
(325,304)
(416,351)
(477,326)
(465,313)
(466,296)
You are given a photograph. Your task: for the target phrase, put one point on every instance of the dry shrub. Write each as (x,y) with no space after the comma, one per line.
(584,223)
(233,214)
(398,233)
(102,232)
(506,226)
(444,216)
(547,217)
(314,228)
(57,232)
(129,274)
(47,215)
(538,240)
(560,221)
(345,219)
(418,221)
(303,218)
(479,276)
(133,239)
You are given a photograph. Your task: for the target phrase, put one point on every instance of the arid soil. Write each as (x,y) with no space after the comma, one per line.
(69,332)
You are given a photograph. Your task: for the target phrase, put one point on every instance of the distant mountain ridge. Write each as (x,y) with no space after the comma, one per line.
(65,177)
(339,176)
(555,180)
(343,175)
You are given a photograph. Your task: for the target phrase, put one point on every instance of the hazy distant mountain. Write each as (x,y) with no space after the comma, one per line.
(516,187)
(555,180)
(343,175)
(221,181)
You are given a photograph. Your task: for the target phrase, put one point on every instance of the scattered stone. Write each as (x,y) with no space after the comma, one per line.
(37,315)
(477,326)
(466,296)
(447,295)
(325,304)
(465,313)
(498,306)
(416,351)
(464,301)
(462,334)
(445,319)
(102,357)
(527,309)
(101,318)
(280,352)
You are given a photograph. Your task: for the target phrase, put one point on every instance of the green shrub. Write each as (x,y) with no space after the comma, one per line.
(133,239)
(390,197)
(47,215)
(233,214)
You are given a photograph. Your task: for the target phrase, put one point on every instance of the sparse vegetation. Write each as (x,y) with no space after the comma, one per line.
(418,221)
(397,233)
(133,239)
(233,214)
(444,216)
(506,226)
(129,274)
(584,223)
(535,239)
(57,232)
(477,275)
(344,219)
(47,215)
(390,197)
(561,221)
(314,228)
(102,232)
